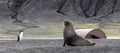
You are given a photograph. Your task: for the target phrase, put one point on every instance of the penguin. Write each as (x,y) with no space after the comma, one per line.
(20,35)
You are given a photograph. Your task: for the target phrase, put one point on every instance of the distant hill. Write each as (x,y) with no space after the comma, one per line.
(42,11)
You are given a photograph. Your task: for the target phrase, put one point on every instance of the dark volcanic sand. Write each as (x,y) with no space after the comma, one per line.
(55,46)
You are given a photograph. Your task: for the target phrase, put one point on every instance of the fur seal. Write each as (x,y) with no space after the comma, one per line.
(72,39)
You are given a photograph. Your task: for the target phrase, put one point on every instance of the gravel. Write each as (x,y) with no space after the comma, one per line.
(55,46)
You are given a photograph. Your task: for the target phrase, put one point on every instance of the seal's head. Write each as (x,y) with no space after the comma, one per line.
(67,23)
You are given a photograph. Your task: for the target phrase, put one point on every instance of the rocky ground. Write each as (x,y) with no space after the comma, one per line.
(55,46)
